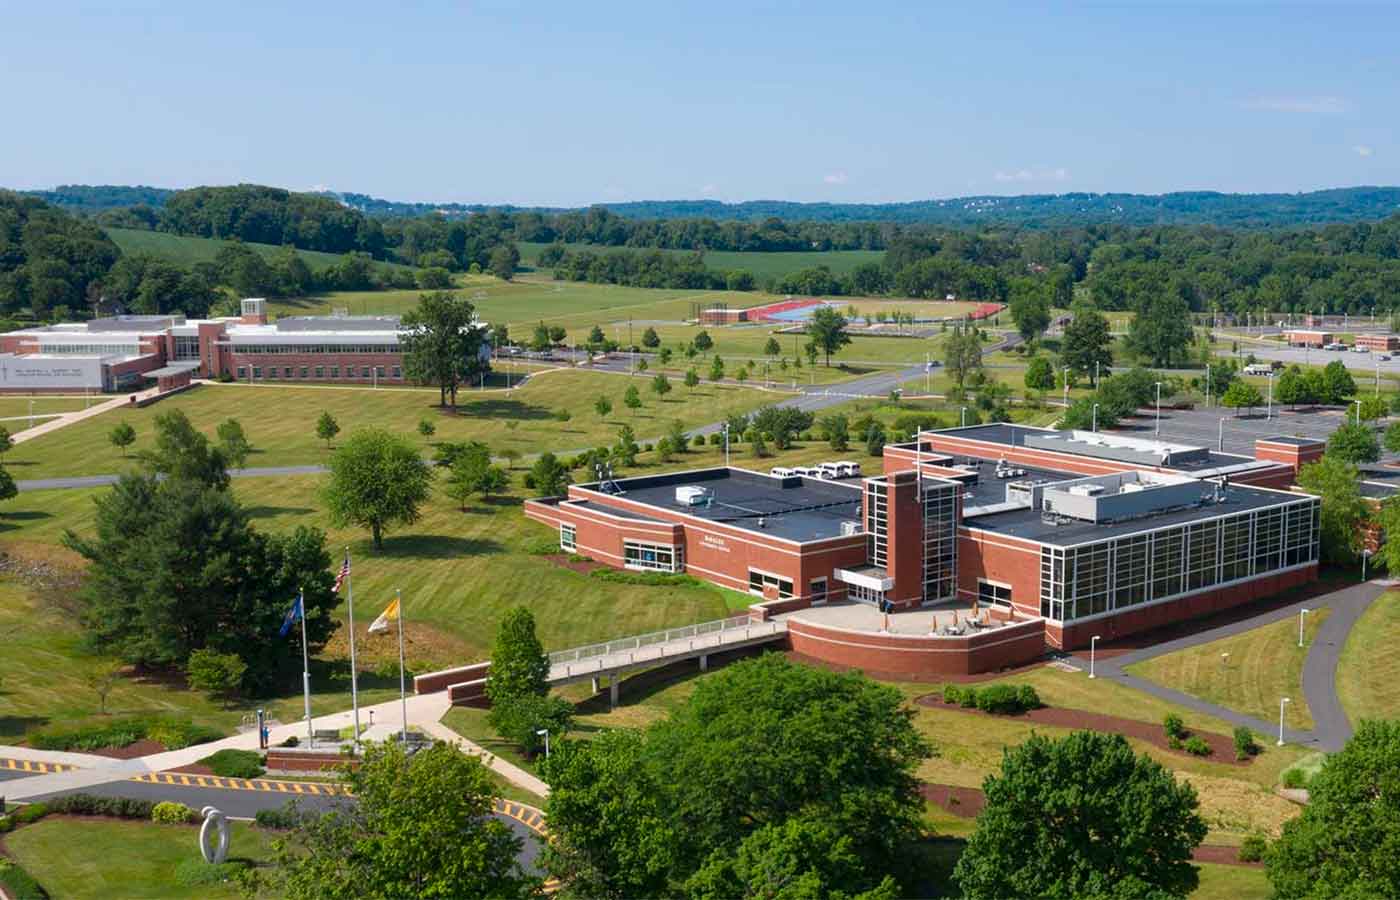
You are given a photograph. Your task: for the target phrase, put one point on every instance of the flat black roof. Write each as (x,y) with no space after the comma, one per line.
(795,508)
(1028,524)
(1014,436)
(1292,441)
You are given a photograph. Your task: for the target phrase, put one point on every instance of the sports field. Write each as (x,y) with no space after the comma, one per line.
(280,422)
(761,264)
(187,251)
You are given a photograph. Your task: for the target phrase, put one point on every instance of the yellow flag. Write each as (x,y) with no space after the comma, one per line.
(390,614)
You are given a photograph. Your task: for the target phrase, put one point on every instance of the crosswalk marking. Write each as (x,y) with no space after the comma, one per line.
(181,779)
(29,765)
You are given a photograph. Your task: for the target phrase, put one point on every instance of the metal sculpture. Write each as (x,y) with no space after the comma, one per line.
(213,835)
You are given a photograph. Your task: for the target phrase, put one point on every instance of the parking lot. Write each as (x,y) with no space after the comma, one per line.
(1358,363)
(1202,427)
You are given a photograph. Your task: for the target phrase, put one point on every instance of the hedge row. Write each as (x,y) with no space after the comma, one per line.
(649,578)
(1003,699)
(19,883)
(173,734)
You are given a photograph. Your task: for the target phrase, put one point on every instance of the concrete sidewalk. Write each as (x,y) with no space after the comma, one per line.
(65,419)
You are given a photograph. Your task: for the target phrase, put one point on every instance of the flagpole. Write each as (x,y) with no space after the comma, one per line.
(403,697)
(305,669)
(354,673)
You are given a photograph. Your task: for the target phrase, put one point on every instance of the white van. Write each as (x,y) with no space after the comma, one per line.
(781,472)
(806,472)
(1258,369)
(849,469)
(830,471)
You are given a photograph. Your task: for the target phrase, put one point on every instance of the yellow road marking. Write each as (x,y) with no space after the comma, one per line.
(29,765)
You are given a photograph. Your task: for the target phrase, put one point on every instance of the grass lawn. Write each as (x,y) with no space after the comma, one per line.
(1368,676)
(1232,883)
(281,421)
(186,250)
(1265,664)
(11,407)
(80,858)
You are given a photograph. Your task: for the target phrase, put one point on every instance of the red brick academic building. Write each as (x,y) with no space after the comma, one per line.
(1042,538)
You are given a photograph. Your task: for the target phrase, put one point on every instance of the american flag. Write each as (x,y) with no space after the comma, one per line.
(344,574)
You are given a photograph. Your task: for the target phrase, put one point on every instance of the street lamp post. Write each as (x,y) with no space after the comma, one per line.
(545,732)
(1157,429)
(1095,426)
(1378,376)
(1358,412)
(1365,555)
(1220,440)
(1066,378)
(962,421)
(1283,701)
(1270,416)
(1302,614)
(726,445)
(1092,641)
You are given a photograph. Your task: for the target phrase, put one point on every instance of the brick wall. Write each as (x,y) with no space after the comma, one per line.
(920,655)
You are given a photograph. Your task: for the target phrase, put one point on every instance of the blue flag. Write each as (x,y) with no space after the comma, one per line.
(294,615)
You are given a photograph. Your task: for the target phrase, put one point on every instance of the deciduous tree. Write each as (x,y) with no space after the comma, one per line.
(1082,816)
(327,428)
(234,443)
(1086,343)
(377,481)
(549,476)
(1354,443)
(442,344)
(1335,480)
(827,329)
(122,436)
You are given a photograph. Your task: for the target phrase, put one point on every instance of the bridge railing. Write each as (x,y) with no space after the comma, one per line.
(719,627)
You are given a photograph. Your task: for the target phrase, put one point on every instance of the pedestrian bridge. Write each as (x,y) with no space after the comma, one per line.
(614,659)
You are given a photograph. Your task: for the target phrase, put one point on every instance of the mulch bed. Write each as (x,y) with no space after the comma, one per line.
(562,560)
(143,747)
(1222,747)
(193,769)
(967,803)
(915,679)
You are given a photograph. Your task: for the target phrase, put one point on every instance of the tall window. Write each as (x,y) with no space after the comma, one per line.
(568,537)
(654,557)
(818,590)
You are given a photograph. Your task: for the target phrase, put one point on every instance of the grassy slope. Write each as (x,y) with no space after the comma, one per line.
(1265,664)
(280,421)
(88,858)
(760,264)
(185,250)
(1368,676)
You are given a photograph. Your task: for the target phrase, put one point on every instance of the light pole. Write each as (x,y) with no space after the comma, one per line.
(1365,555)
(1066,374)
(1302,614)
(1358,412)
(1284,701)
(1092,641)
(1220,440)
(545,732)
(726,445)
(1207,384)
(962,422)
(1157,429)
(1095,426)
(1270,416)
(1378,376)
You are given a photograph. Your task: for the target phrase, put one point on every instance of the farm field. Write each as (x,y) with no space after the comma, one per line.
(280,421)
(761,264)
(1264,664)
(185,250)
(1368,675)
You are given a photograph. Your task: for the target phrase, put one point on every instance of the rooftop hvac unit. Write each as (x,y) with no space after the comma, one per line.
(692,495)
(1086,490)
(850,528)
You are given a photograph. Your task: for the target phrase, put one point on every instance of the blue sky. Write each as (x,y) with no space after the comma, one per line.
(572,103)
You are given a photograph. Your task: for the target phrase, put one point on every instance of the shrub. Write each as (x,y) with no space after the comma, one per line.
(1174,742)
(520,719)
(110,734)
(29,813)
(716,439)
(90,805)
(1174,727)
(1027,697)
(952,693)
(215,673)
(19,884)
(7,824)
(1295,779)
(1245,747)
(230,763)
(176,735)
(286,817)
(1253,847)
(651,578)
(1196,746)
(170,813)
(290,741)
(194,872)
(998,698)
(967,698)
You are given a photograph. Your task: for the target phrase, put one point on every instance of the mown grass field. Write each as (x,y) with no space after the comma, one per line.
(280,421)
(1368,676)
(75,859)
(187,251)
(1265,664)
(11,407)
(762,265)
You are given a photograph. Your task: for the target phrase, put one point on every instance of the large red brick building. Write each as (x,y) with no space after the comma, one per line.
(115,353)
(1063,535)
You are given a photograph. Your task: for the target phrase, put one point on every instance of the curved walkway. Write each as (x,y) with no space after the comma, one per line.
(1331,726)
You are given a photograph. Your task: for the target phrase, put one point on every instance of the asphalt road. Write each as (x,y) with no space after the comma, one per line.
(246,804)
(1359,363)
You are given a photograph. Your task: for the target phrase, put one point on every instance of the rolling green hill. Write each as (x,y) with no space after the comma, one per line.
(761,265)
(190,250)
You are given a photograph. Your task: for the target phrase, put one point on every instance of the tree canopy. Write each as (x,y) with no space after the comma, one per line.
(666,810)
(377,481)
(1082,816)
(442,344)
(1335,480)
(827,329)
